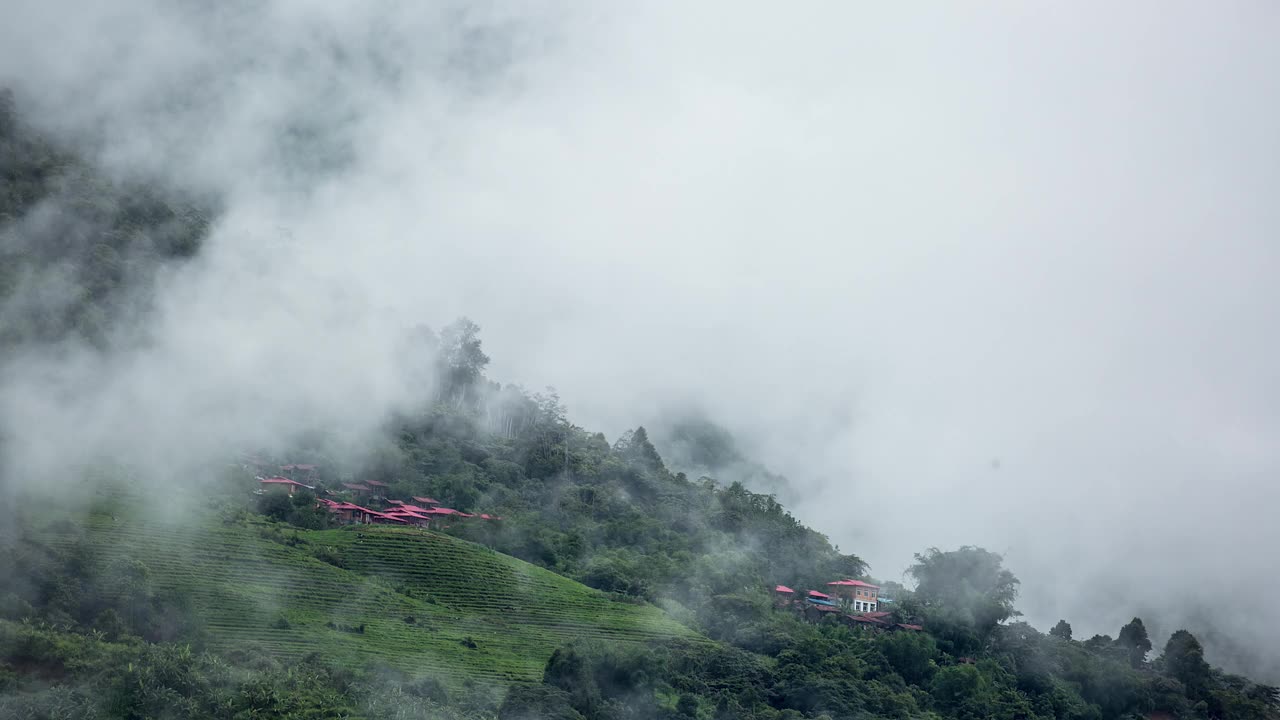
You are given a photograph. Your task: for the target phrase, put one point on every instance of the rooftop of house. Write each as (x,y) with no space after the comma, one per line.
(815,593)
(854,583)
(282,481)
(783,589)
(865,619)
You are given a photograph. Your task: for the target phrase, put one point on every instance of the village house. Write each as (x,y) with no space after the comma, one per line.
(281,483)
(860,596)
(352,514)
(358,488)
(845,595)
(398,512)
(304,472)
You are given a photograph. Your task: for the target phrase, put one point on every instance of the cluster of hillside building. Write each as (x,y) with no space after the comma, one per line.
(417,511)
(851,601)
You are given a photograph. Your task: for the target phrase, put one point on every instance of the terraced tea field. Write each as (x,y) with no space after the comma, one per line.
(418,601)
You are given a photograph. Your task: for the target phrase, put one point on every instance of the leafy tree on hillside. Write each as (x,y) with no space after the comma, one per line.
(634,447)
(1061,630)
(276,505)
(461,361)
(1133,637)
(1183,660)
(968,585)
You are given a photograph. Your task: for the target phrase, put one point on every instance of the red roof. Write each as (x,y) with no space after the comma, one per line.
(815,593)
(375,483)
(282,481)
(865,619)
(486,516)
(356,486)
(910,627)
(406,513)
(426,500)
(783,589)
(854,583)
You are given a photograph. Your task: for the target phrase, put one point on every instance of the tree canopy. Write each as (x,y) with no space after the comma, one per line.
(969,585)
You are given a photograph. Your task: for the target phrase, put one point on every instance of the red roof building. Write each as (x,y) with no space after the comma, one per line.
(356,487)
(862,595)
(278,482)
(412,518)
(426,500)
(815,593)
(783,589)
(385,519)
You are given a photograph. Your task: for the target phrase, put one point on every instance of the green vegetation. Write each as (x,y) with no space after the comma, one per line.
(232,605)
(419,602)
(79,251)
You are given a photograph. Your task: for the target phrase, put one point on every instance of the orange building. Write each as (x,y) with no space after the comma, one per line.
(861,596)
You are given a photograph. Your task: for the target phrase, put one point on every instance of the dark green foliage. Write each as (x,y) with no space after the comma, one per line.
(968,586)
(72,675)
(1133,637)
(275,504)
(79,251)
(538,703)
(1184,661)
(911,655)
(1062,630)
(72,587)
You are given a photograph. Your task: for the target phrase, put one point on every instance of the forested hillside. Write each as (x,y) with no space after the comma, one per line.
(78,250)
(242,605)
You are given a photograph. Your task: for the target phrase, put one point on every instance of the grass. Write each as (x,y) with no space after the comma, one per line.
(424,603)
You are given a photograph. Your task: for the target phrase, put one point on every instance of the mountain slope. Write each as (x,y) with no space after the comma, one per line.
(419,602)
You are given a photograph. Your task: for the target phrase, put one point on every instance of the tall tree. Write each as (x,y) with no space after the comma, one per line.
(634,447)
(1061,630)
(1134,638)
(461,360)
(969,585)
(1184,660)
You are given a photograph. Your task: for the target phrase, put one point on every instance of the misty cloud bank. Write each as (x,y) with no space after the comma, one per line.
(1004,278)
